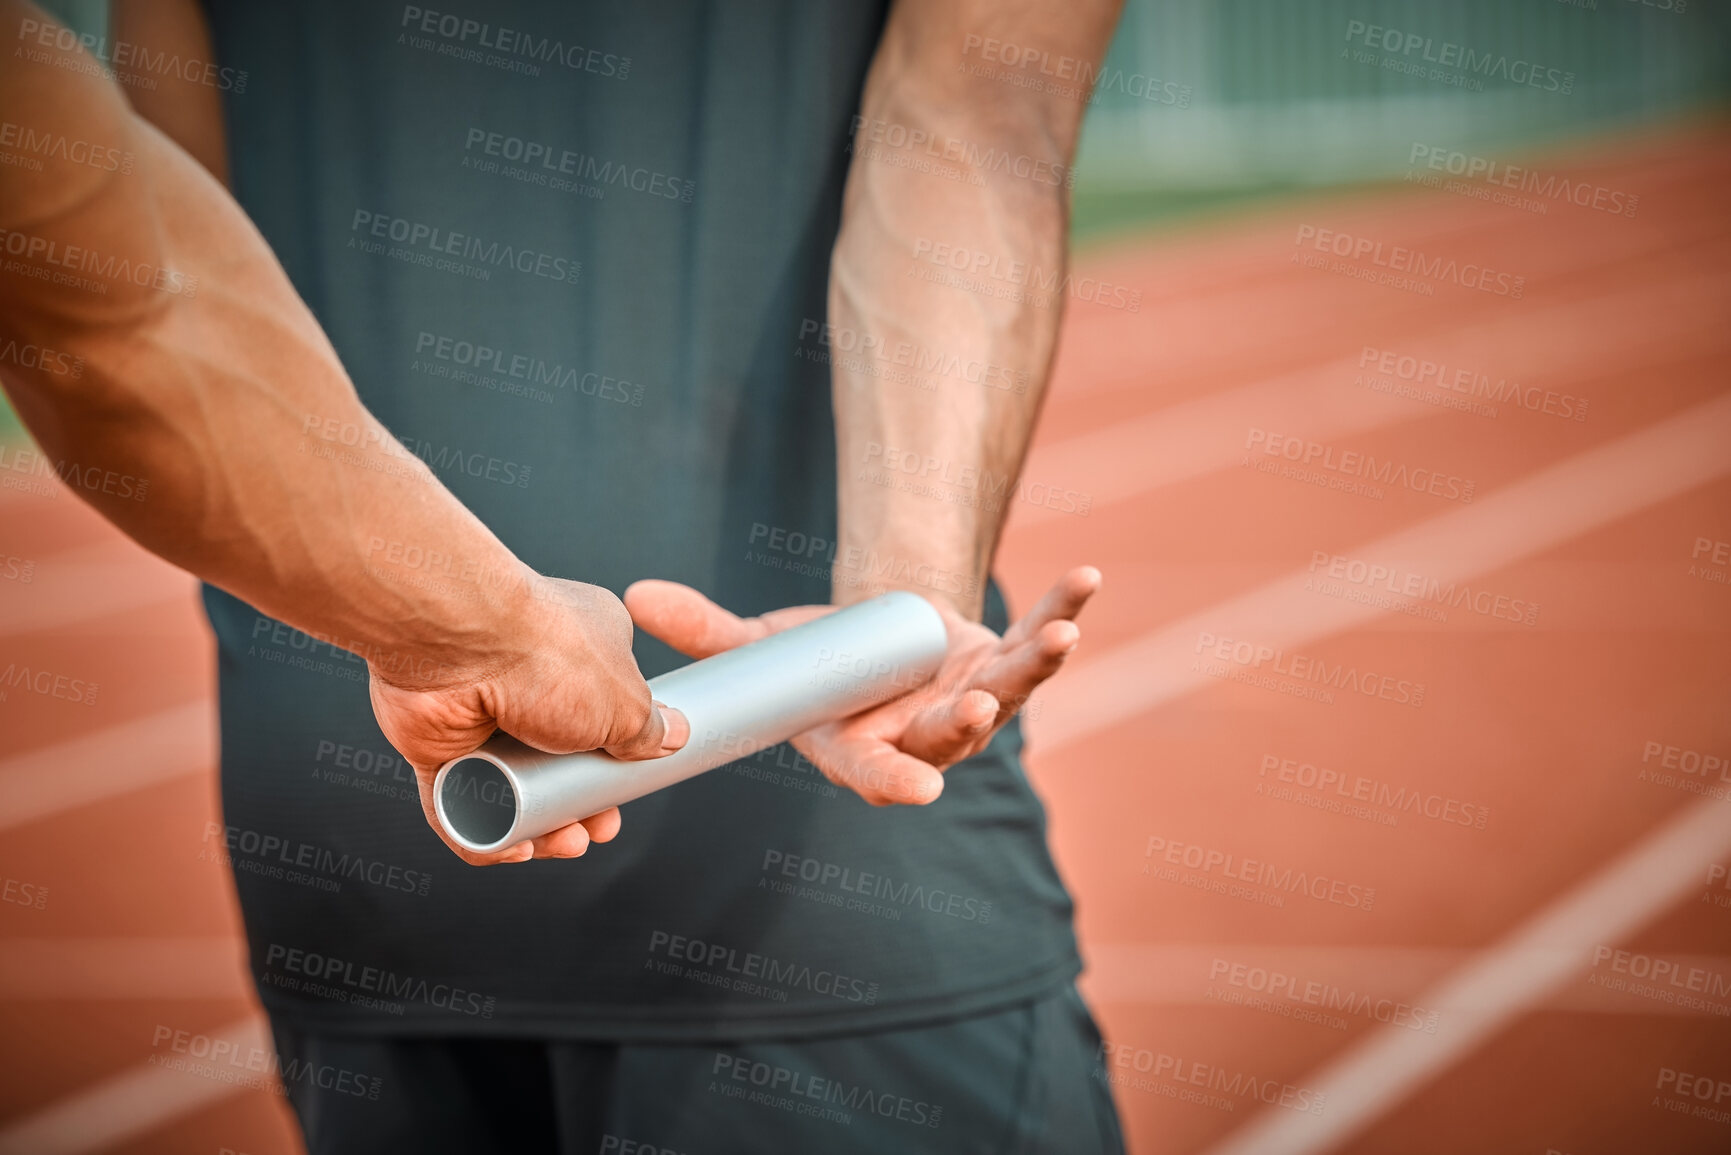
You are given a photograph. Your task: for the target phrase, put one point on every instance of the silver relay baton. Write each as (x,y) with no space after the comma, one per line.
(738,702)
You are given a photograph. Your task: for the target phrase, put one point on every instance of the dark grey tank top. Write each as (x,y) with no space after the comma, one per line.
(573,255)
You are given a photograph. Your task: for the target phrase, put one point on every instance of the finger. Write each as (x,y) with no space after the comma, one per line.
(1015,674)
(566,842)
(945,735)
(952,729)
(572,841)
(1061,603)
(603,827)
(688,621)
(877,772)
(664,731)
(521,852)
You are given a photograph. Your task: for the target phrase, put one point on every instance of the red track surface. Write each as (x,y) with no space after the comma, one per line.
(1145,743)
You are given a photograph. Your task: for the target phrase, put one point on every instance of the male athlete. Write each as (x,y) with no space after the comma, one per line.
(452,343)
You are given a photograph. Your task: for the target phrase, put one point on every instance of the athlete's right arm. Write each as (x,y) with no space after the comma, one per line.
(171,375)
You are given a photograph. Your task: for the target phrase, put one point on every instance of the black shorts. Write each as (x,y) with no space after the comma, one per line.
(1013,1082)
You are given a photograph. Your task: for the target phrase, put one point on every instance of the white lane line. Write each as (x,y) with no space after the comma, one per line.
(1517,973)
(123,968)
(1198,437)
(90,582)
(1194,438)
(122,1106)
(1356,986)
(109,762)
(1523,518)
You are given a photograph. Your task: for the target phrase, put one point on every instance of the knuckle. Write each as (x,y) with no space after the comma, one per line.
(613,618)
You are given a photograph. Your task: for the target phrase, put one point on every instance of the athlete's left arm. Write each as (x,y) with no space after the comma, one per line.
(948,281)
(946,287)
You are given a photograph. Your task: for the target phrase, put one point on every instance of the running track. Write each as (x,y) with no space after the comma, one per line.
(1239,753)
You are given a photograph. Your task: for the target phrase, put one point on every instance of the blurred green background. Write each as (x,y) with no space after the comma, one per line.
(1275,109)
(1261,99)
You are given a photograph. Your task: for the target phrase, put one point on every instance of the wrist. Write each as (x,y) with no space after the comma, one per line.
(459,627)
(959,589)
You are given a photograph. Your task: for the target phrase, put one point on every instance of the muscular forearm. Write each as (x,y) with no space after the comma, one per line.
(946,292)
(206,386)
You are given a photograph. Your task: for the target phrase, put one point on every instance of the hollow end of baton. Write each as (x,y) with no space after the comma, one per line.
(477,801)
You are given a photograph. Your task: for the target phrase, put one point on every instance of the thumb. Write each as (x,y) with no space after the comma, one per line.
(686,620)
(665,731)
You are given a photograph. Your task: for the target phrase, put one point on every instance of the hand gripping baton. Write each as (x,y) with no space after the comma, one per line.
(738,702)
